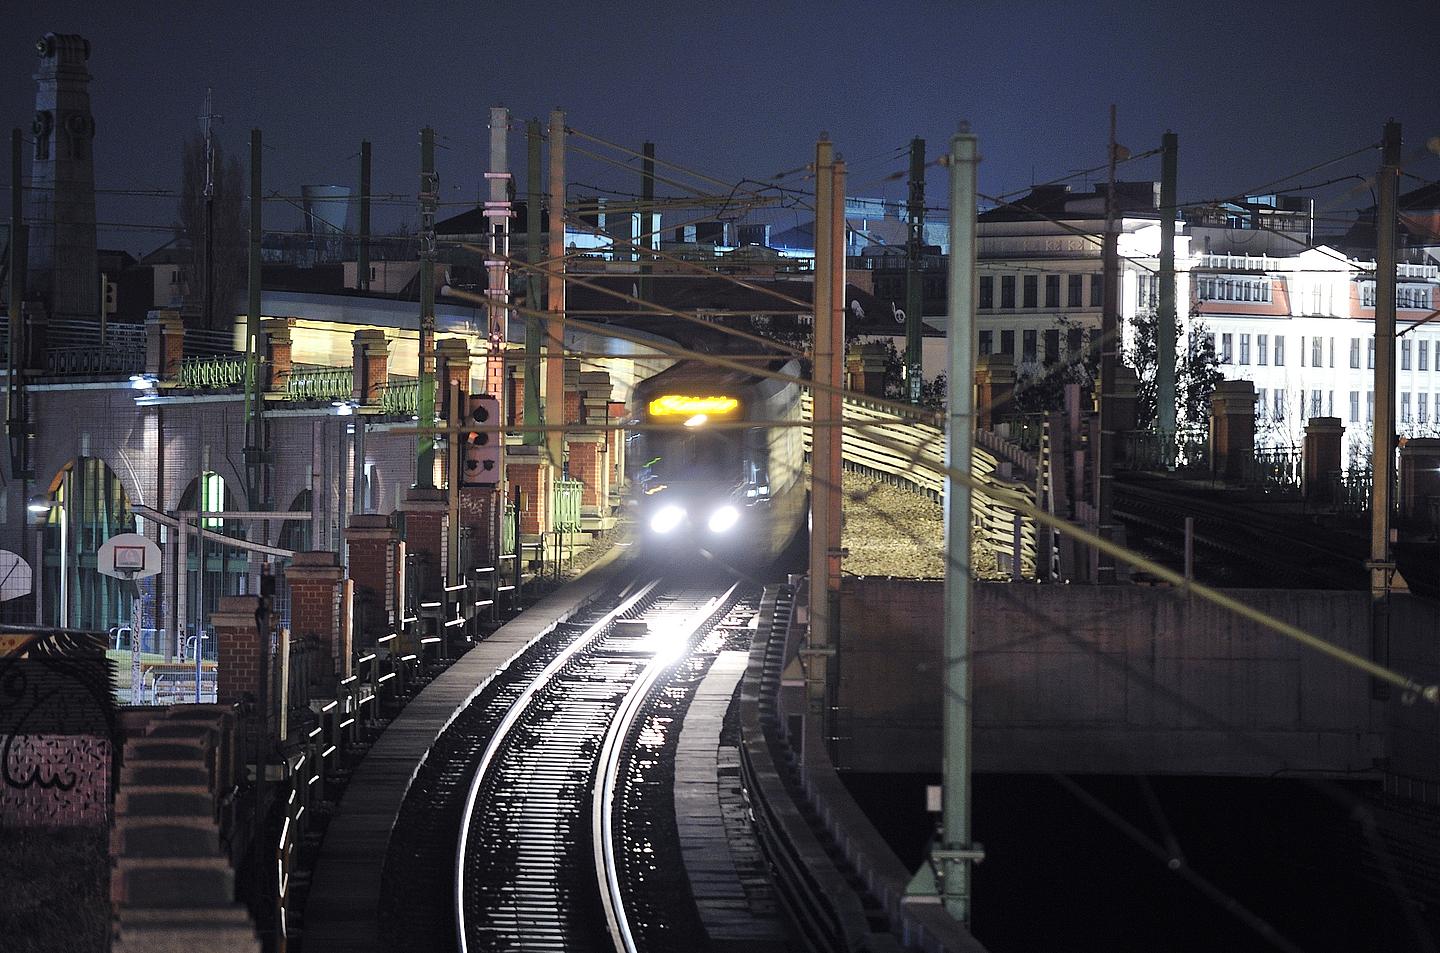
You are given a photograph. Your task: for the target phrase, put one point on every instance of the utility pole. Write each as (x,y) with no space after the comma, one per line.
(1165,316)
(425,400)
(497,222)
(646,240)
(826,498)
(914,288)
(1109,357)
(554,331)
(1382,454)
(946,876)
(209,315)
(362,266)
(534,254)
(16,424)
(254,425)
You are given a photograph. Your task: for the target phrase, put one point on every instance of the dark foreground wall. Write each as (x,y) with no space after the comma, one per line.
(1123,679)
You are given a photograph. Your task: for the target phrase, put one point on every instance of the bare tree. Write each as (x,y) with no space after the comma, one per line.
(228,242)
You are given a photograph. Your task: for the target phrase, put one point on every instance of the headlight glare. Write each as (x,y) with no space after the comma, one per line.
(723,519)
(666,518)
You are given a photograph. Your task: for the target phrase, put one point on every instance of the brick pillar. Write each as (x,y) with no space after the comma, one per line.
(617,442)
(994,386)
(1419,476)
(1324,442)
(452,364)
(865,367)
(371,541)
(277,354)
(585,466)
(527,469)
(164,344)
(314,579)
(515,395)
(1232,428)
(237,647)
(371,362)
(424,509)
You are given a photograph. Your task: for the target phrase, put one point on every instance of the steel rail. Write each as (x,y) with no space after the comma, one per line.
(512,716)
(612,760)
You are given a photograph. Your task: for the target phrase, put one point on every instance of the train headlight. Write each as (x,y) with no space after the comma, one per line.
(723,519)
(666,519)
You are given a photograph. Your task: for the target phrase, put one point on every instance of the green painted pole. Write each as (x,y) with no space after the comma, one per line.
(253,426)
(914,287)
(1165,317)
(534,253)
(425,400)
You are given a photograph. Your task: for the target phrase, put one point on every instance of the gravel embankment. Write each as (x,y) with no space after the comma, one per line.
(889,531)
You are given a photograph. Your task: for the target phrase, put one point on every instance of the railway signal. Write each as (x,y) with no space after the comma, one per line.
(481,460)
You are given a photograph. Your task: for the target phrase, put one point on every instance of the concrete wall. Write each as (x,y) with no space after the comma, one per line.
(1110,679)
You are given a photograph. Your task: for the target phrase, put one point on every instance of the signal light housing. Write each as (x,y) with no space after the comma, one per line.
(480,460)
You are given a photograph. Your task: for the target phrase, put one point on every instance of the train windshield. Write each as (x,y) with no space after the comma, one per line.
(701,457)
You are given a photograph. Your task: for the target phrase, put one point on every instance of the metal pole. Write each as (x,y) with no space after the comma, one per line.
(534,254)
(357,475)
(827,371)
(554,333)
(253,404)
(362,266)
(646,241)
(1382,461)
(209,216)
(67,485)
(1189,547)
(452,479)
(947,875)
(425,402)
(15,424)
(1165,316)
(1109,357)
(497,222)
(914,288)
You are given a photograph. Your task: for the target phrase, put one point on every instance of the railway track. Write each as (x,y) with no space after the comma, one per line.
(561,837)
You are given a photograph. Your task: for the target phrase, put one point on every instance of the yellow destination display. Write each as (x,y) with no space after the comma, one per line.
(680,405)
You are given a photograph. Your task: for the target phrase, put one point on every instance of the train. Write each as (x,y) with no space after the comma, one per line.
(717,462)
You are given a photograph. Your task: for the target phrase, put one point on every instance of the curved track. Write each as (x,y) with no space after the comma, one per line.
(544,860)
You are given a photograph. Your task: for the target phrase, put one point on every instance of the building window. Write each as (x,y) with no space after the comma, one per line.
(1404,354)
(1075,343)
(987,342)
(1052,345)
(1244,349)
(1075,291)
(1007,291)
(1279,404)
(1370,356)
(1317,352)
(1279,350)
(1097,290)
(1355,353)
(1007,343)
(1262,349)
(1028,343)
(1233,288)
(1405,408)
(1332,351)
(1261,407)
(1369,406)
(1413,296)
(1329,403)
(1226,345)
(987,292)
(1032,291)
(1052,291)
(1423,347)
(1422,410)
(1354,406)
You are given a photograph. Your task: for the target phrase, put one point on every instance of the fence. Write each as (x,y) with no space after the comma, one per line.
(401,397)
(211,373)
(310,382)
(567,504)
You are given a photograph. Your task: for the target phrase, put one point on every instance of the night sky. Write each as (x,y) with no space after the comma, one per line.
(1255,91)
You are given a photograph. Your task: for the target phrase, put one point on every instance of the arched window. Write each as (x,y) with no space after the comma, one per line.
(87,506)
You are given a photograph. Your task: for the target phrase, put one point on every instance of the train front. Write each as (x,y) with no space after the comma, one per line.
(691,482)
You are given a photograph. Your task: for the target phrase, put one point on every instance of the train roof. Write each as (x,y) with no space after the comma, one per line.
(692,375)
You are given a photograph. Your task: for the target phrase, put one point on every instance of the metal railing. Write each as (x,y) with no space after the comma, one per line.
(507,529)
(1143,452)
(567,504)
(401,398)
(211,373)
(1275,469)
(320,383)
(78,361)
(1350,490)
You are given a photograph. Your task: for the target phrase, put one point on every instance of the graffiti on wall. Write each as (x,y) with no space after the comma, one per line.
(57,725)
